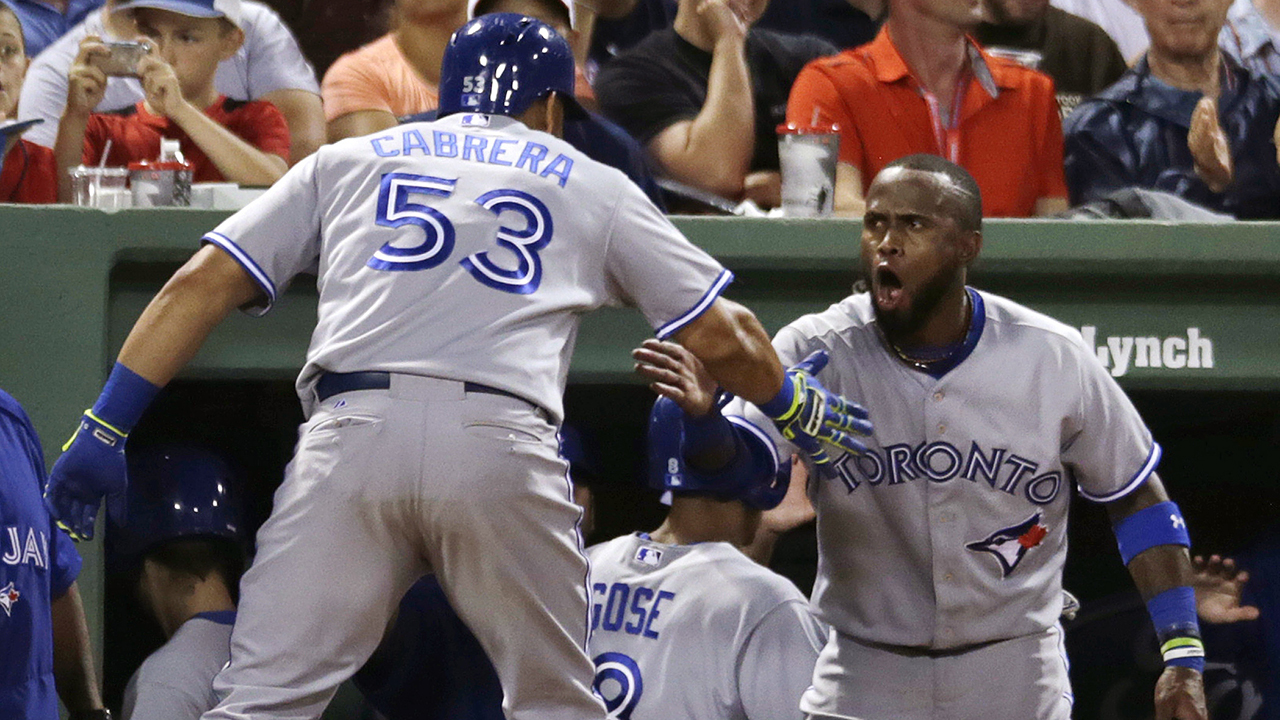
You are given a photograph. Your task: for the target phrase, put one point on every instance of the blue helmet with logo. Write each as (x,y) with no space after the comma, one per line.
(502,63)
(741,481)
(174,492)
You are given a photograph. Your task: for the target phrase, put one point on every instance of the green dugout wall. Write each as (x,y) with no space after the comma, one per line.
(1169,307)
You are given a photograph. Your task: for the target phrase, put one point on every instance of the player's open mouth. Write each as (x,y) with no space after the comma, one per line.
(887,287)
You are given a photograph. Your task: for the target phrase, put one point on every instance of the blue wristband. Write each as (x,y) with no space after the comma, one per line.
(124,398)
(781,403)
(1173,612)
(1160,524)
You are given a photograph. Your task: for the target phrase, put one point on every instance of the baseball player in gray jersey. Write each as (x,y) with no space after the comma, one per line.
(454,260)
(684,625)
(182,550)
(941,547)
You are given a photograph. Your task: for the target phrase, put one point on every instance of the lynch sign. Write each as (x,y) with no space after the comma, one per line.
(1120,353)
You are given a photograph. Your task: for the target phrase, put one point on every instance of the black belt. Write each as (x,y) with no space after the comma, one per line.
(332,383)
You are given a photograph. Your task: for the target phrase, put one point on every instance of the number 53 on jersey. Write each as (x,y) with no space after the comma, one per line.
(397,208)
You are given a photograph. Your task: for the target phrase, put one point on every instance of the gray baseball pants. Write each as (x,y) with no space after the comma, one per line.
(1022,678)
(385,486)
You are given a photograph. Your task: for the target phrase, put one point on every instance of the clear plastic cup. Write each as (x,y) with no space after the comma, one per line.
(807,155)
(100,187)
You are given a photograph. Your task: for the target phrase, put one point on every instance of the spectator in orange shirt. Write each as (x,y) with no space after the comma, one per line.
(924,86)
(244,142)
(369,89)
(29,172)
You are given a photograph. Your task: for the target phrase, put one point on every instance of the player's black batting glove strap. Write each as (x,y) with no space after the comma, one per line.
(816,416)
(92,466)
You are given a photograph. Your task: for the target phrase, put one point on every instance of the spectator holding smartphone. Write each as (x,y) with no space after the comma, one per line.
(268,66)
(244,142)
(28,174)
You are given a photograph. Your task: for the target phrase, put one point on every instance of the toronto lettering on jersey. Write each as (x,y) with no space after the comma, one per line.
(942,462)
(523,154)
(1177,352)
(633,610)
(29,548)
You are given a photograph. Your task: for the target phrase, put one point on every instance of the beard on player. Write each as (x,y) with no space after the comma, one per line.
(910,308)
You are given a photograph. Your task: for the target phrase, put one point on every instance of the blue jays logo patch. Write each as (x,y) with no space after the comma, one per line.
(649,556)
(8,598)
(1009,545)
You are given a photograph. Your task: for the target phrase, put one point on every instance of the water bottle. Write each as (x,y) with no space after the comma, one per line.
(164,181)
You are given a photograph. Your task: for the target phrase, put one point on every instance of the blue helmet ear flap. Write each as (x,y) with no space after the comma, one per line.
(755,477)
(666,446)
(761,493)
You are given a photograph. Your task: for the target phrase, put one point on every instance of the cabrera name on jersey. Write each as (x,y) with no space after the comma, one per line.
(467,249)
(529,155)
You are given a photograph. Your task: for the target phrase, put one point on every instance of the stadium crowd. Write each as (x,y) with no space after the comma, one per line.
(1116,108)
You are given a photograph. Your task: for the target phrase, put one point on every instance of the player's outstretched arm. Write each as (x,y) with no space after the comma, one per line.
(1153,542)
(176,322)
(166,336)
(735,350)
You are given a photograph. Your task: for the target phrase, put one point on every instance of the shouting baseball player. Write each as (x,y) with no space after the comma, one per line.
(683,624)
(941,547)
(454,259)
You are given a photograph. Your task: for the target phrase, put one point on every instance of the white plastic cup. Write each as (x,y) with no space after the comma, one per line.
(807,156)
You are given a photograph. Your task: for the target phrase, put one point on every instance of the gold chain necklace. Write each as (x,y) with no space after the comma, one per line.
(927,363)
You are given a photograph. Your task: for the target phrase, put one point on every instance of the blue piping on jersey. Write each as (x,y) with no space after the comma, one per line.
(748,426)
(246,262)
(222,617)
(1153,459)
(708,297)
(977,321)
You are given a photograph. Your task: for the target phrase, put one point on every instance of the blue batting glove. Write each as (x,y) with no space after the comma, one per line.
(810,416)
(92,466)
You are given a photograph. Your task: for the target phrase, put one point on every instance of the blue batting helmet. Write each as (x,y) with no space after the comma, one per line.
(175,492)
(501,63)
(741,481)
